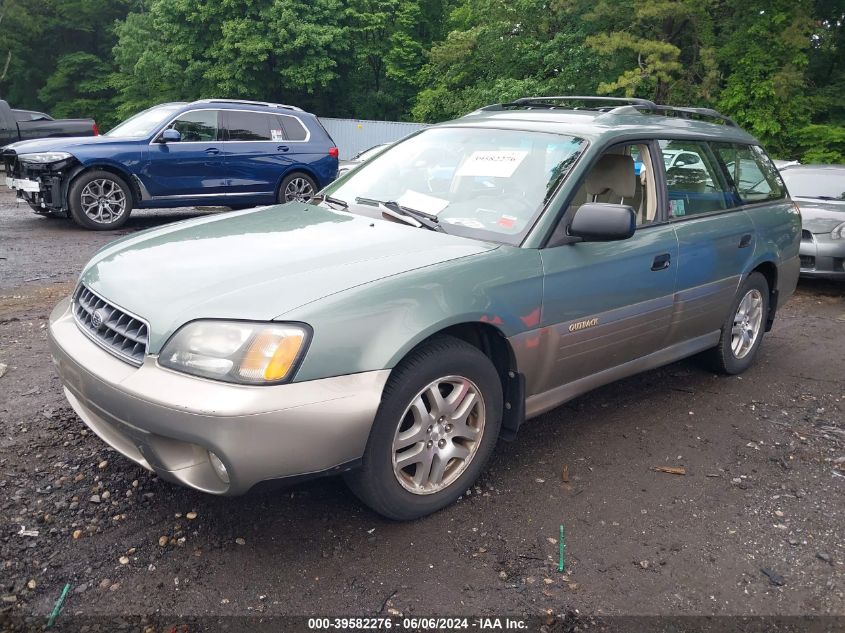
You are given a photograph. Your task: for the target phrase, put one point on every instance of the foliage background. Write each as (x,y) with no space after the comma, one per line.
(776,66)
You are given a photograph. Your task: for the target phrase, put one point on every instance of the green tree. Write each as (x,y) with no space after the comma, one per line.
(279,50)
(59,54)
(764,57)
(388,44)
(498,50)
(662,49)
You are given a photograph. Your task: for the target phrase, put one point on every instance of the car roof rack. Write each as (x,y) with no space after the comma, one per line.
(681,112)
(551,103)
(248,102)
(614,106)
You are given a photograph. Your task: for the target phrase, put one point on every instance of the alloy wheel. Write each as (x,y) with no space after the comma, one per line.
(438,435)
(298,189)
(103,201)
(748,322)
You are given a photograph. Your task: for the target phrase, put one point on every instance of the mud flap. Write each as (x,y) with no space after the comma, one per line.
(514,409)
(773,308)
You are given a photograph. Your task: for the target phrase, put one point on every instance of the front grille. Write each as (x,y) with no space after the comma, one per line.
(807,261)
(116,331)
(806,236)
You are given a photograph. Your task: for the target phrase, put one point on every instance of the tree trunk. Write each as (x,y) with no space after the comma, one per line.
(661,92)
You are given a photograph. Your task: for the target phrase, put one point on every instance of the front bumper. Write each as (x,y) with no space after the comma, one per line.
(822,256)
(42,186)
(167,422)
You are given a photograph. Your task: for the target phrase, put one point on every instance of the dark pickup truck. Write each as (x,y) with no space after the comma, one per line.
(12,129)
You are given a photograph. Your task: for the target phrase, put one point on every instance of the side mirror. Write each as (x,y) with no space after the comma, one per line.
(602,222)
(170,136)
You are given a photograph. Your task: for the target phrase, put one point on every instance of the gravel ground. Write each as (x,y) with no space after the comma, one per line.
(754,527)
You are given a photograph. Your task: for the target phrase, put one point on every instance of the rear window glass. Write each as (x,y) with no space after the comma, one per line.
(752,173)
(254,126)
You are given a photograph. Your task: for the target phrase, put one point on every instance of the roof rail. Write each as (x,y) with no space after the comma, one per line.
(678,111)
(612,105)
(248,102)
(561,102)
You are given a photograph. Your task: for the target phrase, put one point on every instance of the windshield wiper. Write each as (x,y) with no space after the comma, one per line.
(403,213)
(327,198)
(830,198)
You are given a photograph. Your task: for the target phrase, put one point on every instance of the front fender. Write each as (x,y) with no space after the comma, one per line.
(375,325)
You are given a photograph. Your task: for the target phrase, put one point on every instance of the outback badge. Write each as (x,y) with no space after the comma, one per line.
(583,325)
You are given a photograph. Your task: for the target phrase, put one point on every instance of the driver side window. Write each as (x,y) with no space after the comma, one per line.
(624,174)
(197,126)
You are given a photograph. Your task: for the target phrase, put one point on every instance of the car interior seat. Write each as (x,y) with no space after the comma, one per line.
(612,179)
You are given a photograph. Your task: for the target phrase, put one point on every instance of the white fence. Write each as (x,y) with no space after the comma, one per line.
(355,135)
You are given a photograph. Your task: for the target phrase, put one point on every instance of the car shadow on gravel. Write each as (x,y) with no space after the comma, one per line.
(139,220)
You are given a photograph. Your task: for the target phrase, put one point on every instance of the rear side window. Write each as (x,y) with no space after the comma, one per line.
(293,127)
(254,126)
(752,173)
(694,180)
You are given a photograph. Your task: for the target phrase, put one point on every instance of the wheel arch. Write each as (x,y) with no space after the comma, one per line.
(121,172)
(769,270)
(294,169)
(493,343)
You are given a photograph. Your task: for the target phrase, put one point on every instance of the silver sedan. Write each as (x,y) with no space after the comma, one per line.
(819,190)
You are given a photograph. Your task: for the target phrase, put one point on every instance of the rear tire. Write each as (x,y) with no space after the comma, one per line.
(100,201)
(296,187)
(424,451)
(743,329)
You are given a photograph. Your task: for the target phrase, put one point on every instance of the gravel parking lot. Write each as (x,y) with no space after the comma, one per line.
(754,527)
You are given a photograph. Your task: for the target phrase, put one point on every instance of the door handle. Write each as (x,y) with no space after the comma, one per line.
(745,241)
(212,151)
(283,148)
(661,262)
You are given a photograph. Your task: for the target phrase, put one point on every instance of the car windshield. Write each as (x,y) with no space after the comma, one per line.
(478,182)
(827,184)
(144,123)
(369,153)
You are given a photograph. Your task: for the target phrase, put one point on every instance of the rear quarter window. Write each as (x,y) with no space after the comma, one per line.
(293,127)
(752,172)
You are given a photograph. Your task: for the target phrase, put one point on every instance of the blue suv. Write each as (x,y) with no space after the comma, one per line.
(211,152)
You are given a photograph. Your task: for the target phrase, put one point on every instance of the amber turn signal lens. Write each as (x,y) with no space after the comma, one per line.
(284,356)
(271,355)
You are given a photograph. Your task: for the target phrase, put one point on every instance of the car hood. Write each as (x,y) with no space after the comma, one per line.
(820,216)
(63,144)
(258,264)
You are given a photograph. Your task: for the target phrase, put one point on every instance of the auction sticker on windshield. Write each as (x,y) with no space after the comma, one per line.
(492,163)
(422,202)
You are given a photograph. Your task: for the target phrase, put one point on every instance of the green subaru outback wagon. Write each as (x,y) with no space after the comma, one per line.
(468,278)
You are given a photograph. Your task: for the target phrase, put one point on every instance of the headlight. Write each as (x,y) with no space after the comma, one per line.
(240,352)
(44,157)
(838,232)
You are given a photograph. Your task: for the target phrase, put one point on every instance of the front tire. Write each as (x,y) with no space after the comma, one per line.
(436,428)
(100,201)
(742,332)
(296,187)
